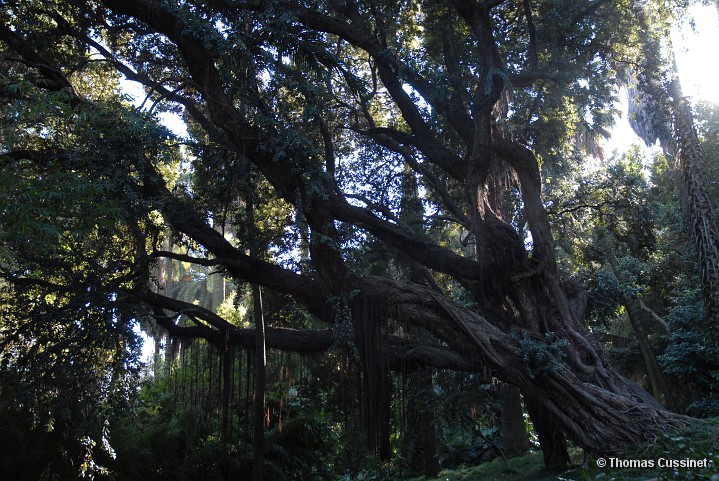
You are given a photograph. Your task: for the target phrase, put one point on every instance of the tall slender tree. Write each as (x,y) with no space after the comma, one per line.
(260,367)
(663,113)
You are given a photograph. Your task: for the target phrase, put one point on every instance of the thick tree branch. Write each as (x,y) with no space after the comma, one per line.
(184,218)
(244,134)
(533,57)
(285,339)
(524,163)
(403,353)
(434,152)
(423,251)
(56,79)
(390,72)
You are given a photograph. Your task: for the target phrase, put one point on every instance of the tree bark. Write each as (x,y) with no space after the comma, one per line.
(258,464)
(514,431)
(636,315)
(658,382)
(551,437)
(227,359)
(686,157)
(429,440)
(258,445)
(421,437)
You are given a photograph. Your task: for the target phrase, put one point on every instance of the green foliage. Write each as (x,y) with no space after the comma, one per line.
(695,442)
(73,235)
(465,409)
(158,439)
(541,356)
(526,467)
(464,447)
(303,449)
(622,231)
(315,116)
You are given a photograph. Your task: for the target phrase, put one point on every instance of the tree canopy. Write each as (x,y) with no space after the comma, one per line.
(394,178)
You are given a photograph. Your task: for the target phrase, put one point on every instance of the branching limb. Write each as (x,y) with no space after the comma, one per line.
(56,79)
(654,315)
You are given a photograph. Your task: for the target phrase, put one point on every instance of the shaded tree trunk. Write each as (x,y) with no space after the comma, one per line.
(258,463)
(429,439)
(259,404)
(657,380)
(375,394)
(227,359)
(514,430)
(420,432)
(636,316)
(552,439)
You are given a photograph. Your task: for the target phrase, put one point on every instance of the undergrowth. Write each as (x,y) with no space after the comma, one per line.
(698,440)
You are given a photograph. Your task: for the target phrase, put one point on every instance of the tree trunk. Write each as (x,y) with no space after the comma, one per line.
(569,386)
(657,380)
(227,358)
(549,432)
(421,437)
(683,152)
(375,393)
(260,365)
(429,439)
(258,464)
(636,316)
(514,430)
(686,157)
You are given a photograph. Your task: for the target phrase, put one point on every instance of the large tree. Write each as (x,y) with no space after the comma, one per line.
(659,111)
(328,105)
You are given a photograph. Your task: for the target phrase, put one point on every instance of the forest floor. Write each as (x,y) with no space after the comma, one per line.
(530,467)
(697,441)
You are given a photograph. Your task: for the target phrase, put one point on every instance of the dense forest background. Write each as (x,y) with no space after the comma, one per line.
(390,243)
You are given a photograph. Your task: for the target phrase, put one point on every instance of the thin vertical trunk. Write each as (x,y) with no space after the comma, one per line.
(260,365)
(657,380)
(247,400)
(260,348)
(227,359)
(167,287)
